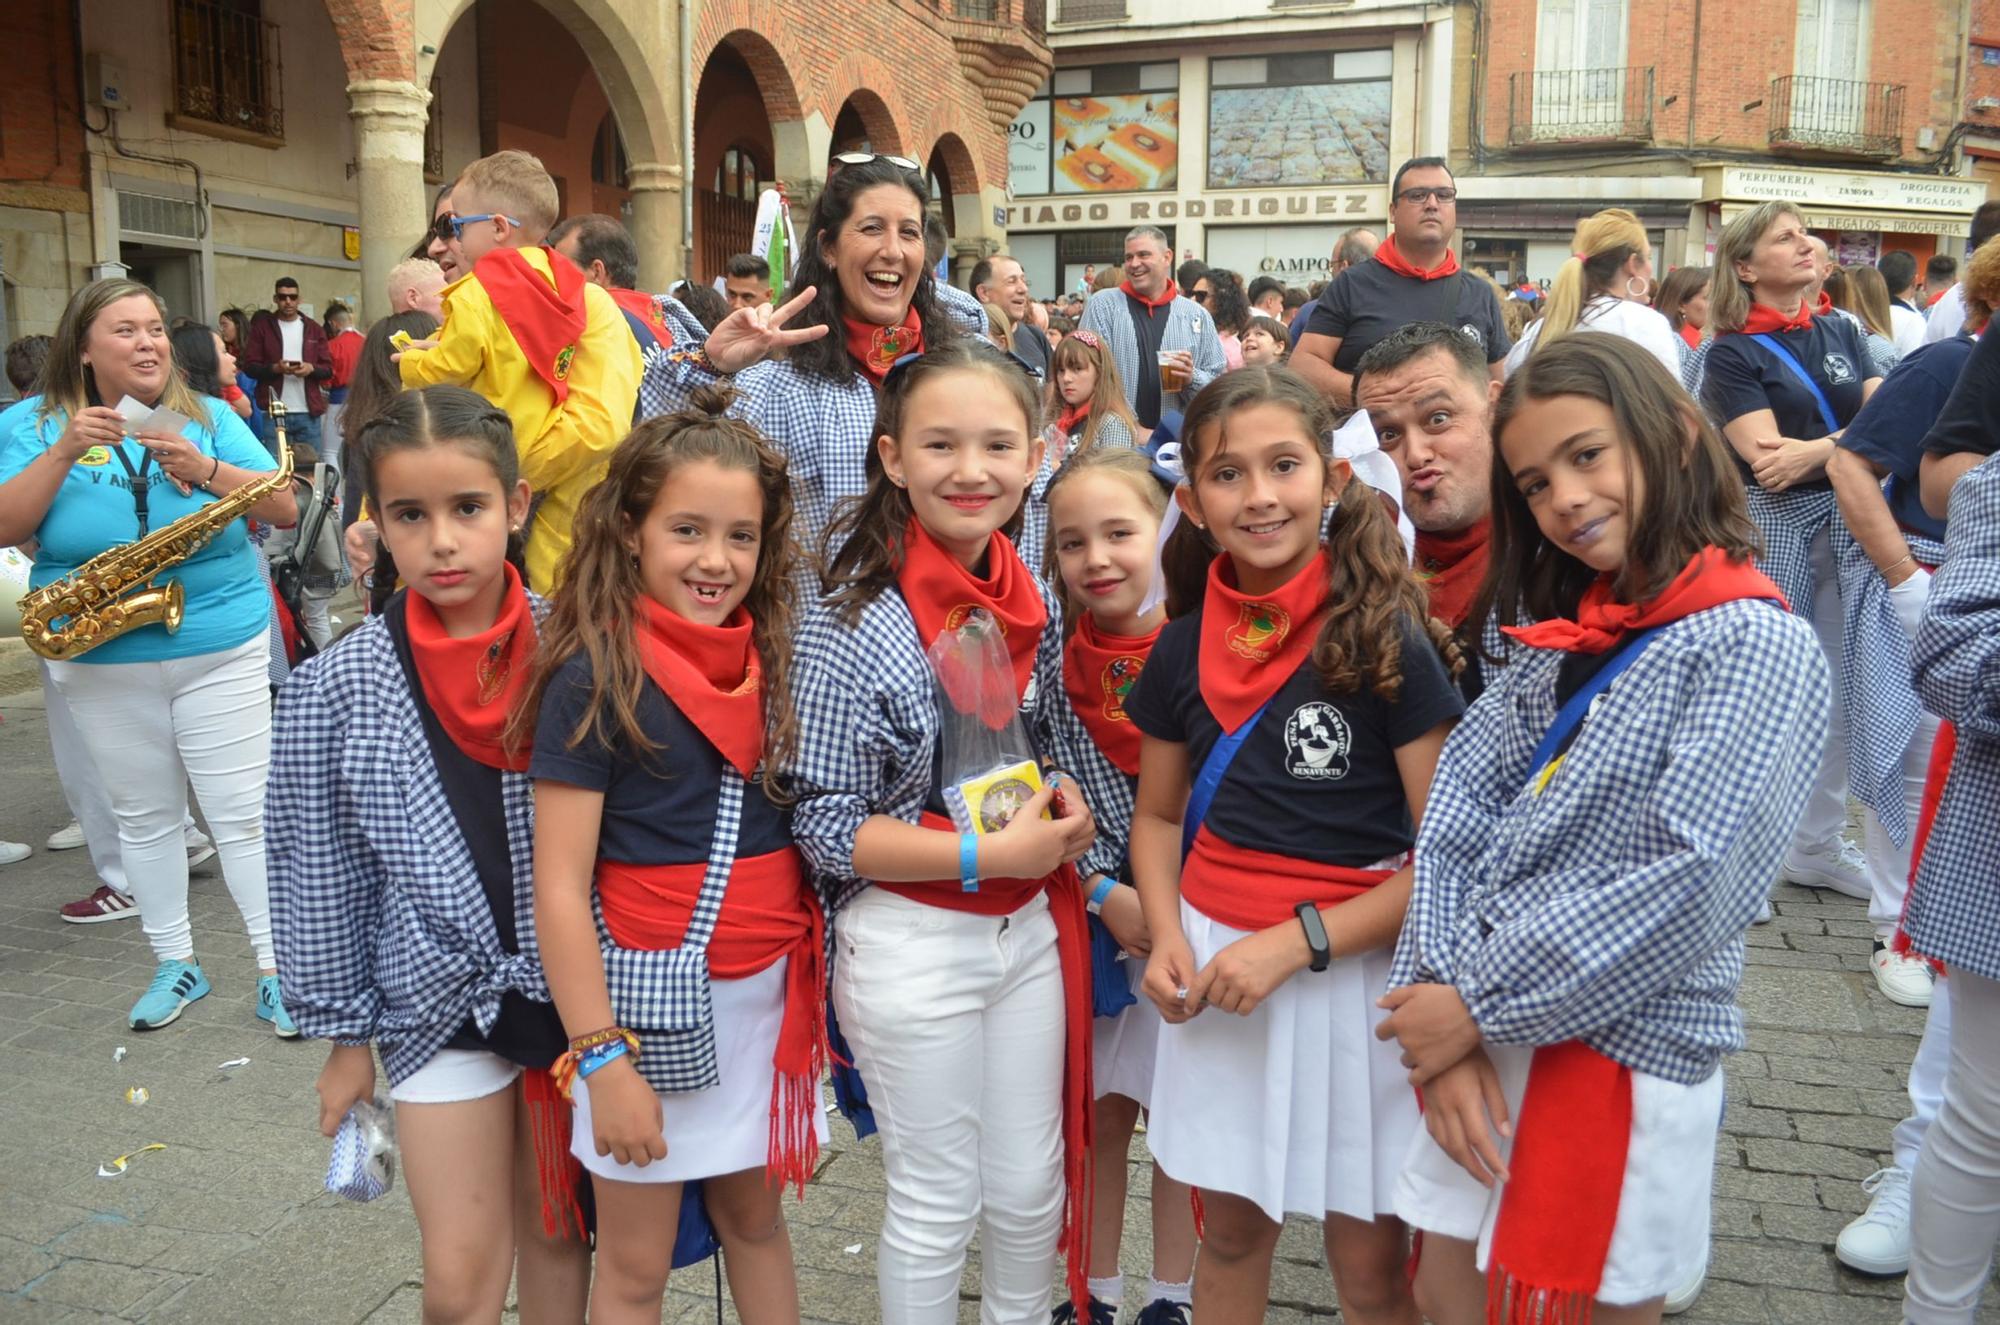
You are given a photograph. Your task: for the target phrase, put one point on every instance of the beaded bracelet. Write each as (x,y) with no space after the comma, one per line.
(566,1069)
(595,1038)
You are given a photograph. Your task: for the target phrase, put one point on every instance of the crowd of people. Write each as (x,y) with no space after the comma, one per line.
(1415,682)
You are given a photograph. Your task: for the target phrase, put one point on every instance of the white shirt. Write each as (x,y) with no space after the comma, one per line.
(1947,317)
(292,349)
(1620,317)
(1908,326)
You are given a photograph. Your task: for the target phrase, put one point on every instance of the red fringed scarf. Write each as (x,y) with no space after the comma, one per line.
(473,683)
(1251,646)
(647,309)
(1763,319)
(941,593)
(1451,567)
(558,1174)
(875,349)
(1709,580)
(712,674)
(1099,671)
(547,320)
(1388,255)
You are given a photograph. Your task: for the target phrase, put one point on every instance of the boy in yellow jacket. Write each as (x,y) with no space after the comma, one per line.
(529,333)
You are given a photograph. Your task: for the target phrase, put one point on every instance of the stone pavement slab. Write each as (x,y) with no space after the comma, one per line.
(229,1223)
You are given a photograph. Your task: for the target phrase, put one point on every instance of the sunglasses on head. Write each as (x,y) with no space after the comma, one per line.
(863,158)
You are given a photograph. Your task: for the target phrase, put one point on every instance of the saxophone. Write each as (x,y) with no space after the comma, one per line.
(114,591)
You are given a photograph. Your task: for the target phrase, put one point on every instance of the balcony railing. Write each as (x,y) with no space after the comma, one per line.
(228,69)
(1090,11)
(1837,115)
(1565,107)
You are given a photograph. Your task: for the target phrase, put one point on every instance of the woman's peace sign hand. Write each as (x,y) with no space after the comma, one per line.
(752,335)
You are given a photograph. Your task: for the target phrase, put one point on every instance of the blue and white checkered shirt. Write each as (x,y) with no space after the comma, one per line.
(1611,906)
(1954,910)
(823,427)
(868,729)
(382,930)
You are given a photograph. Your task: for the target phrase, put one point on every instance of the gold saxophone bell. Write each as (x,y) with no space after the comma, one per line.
(114,592)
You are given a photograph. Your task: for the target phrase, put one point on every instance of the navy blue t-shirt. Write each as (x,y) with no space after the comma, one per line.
(1317,778)
(1742,377)
(1365,303)
(1891,427)
(1970,420)
(659,809)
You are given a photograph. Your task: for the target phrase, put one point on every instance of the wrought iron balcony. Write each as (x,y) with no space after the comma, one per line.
(1837,115)
(1090,11)
(228,69)
(1580,107)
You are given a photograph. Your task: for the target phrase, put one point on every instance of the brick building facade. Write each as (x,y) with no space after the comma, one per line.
(207,146)
(1689,110)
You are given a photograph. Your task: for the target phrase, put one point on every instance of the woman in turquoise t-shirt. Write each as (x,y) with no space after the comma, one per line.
(155,709)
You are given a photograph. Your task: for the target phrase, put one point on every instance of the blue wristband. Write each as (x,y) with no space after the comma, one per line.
(1102,891)
(968,862)
(615,1049)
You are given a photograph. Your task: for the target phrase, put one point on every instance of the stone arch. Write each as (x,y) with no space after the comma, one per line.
(767,65)
(373,43)
(885,134)
(960,166)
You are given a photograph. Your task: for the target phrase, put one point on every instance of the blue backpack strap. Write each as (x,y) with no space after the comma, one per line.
(1571,715)
(1220,756)
(1798,370)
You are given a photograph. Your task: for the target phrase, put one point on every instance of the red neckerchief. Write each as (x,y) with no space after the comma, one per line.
(472,683)
(875,349)
(1560,1203)
(941,593)
(1691,334)
(1451,567)
(1251,646)
(647,309)
(1764,319)
(1070,422)
(1099,671)
(712,674)
(547,321)
(1823,305)
(1709,580)
(1167,296)
(1389,257)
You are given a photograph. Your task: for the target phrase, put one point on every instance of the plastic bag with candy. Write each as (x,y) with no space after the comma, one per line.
(989,764)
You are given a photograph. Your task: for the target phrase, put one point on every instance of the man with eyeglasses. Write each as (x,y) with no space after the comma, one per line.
(1413,277)
(1164,343)
(288,356)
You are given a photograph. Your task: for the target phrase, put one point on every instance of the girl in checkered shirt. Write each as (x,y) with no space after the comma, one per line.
(1565,985)
(661,692)
(400,832)
(961,973)
(1274,877)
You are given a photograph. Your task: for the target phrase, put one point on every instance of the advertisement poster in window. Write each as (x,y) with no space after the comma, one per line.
(1028,150)
(1311,119)
(1116,144)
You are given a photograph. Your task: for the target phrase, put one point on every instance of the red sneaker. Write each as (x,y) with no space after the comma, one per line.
(107,903)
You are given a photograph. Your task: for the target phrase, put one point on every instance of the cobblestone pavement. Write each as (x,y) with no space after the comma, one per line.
(229,1224)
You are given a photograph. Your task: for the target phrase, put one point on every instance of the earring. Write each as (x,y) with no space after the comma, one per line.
(1639,293)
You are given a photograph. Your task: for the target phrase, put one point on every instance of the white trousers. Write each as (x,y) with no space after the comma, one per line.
(89,803)
(1955,1195)
(150,728)
(1927,1072)
(1889,865)
(1826,807)
(956,1023)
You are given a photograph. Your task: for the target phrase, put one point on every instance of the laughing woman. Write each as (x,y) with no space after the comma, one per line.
(862,277)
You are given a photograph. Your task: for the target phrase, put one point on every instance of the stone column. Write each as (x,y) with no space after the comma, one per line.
(656,223)
(389,117)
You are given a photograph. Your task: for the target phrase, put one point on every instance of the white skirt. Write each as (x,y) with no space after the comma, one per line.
(1297,1106)
(1123,1048)
(726,1128)
(1660,1240)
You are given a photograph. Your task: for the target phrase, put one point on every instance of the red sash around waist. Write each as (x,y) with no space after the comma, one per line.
(768,913)
(1253,890)
(999,897)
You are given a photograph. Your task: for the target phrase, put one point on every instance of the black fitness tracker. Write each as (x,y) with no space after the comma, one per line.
(1315,928)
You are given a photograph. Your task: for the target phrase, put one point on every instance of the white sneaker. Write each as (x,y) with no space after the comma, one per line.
(1902,978)
(67,838)
(1684,1296)
(1878,1241)
(1763,913)
(1836,863)
(13,851)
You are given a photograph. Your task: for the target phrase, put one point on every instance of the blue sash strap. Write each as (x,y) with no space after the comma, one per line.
(1784,356)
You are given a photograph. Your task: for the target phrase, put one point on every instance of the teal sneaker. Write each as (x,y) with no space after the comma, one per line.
(175,985)
(271,1008)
